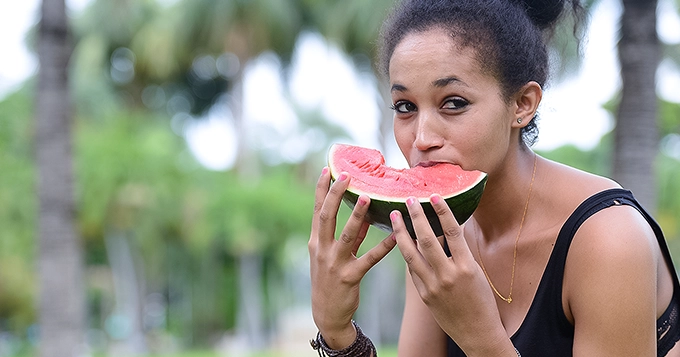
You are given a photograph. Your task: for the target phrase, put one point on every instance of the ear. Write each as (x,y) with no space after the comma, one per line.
(526,103)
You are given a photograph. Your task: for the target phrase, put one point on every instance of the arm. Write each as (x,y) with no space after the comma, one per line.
(420,334)
(610,285)
(454,288)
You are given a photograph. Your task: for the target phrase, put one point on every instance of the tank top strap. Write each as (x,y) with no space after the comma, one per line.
(546,317)
(596,203)
(587,208)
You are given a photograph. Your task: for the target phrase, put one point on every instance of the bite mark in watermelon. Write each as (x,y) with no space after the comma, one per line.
(389,187)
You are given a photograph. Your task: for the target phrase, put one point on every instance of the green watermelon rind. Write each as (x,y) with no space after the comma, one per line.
(462,205)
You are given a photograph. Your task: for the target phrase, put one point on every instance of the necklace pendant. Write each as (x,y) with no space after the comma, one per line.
(509,300)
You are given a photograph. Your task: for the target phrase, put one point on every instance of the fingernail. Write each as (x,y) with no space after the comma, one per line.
(394,215)
(410,201)
(342,177)
(362,200)
(393,237)
(324,171)
(434,199)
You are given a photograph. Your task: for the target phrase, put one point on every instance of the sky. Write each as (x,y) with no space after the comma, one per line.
(322,78)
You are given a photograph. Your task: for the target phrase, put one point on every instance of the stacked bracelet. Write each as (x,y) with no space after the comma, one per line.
(361,347)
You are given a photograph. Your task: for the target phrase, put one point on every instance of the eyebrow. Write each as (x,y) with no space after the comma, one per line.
(439,83)
(398,88)
(443,82)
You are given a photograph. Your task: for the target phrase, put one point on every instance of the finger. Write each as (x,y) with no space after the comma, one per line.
(360,238)
(329,209)
(320,193)
(453,232)
(322,186)
(407,246)
(377,253)
(428,243)
(351,235)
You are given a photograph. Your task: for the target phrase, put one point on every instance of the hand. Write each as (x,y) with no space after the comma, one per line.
(336,271)
(453,288)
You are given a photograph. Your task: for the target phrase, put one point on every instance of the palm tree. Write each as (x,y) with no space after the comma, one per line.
(636,141)
(62,309)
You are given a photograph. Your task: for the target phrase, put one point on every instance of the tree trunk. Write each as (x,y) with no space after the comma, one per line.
(636,133)
(250,319)
(61,299)
(129,295)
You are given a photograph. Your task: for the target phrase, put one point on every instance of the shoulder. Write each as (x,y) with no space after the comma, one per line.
(609,286)
(612,239)
(576,183)
(610,280)
(613,236)
(610,230)
(561,189)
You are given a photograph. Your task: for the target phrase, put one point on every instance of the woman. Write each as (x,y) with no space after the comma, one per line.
(554,261)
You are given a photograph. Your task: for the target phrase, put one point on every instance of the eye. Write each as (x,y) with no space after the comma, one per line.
(455,103)
(404,107)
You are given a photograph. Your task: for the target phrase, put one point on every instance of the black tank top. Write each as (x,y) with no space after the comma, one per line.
(545,330)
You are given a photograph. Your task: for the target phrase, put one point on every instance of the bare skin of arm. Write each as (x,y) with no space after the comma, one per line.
(454,288)
(420,334)
(610,285)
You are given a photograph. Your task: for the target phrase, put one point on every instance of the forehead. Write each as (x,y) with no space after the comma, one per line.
(436,53)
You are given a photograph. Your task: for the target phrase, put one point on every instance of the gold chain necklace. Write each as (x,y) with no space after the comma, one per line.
(514,253)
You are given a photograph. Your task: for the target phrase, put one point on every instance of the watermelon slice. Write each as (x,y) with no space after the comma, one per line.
(389,188)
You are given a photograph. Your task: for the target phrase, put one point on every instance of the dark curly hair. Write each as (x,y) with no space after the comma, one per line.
(509,36)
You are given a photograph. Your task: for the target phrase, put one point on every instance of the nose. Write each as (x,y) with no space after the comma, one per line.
(428,132)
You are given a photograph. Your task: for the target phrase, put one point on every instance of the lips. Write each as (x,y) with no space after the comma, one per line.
(432,163)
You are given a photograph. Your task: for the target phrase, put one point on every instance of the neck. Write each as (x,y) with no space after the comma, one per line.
(505,196)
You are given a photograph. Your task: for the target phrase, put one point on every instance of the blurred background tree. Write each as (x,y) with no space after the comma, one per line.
(636,140)
(179,256)
(61,310)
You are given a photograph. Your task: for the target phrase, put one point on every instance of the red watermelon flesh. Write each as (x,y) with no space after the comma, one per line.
(389,188)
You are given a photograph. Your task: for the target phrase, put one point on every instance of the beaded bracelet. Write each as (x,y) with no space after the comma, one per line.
(361,347)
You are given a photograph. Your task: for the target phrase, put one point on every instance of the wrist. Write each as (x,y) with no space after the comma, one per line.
(506,350)
(361,346)
(339,337)
(501,346)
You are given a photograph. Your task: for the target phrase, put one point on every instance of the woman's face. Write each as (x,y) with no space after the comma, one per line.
(446,108)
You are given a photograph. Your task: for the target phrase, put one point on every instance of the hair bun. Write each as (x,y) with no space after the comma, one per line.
(543,13)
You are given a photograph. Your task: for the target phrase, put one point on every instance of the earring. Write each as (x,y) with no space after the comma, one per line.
(519,120)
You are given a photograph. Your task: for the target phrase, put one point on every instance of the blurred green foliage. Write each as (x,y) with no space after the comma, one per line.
(135,175)
(17,213)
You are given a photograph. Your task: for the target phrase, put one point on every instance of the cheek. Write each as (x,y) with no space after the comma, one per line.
(403,136)
(483,143)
